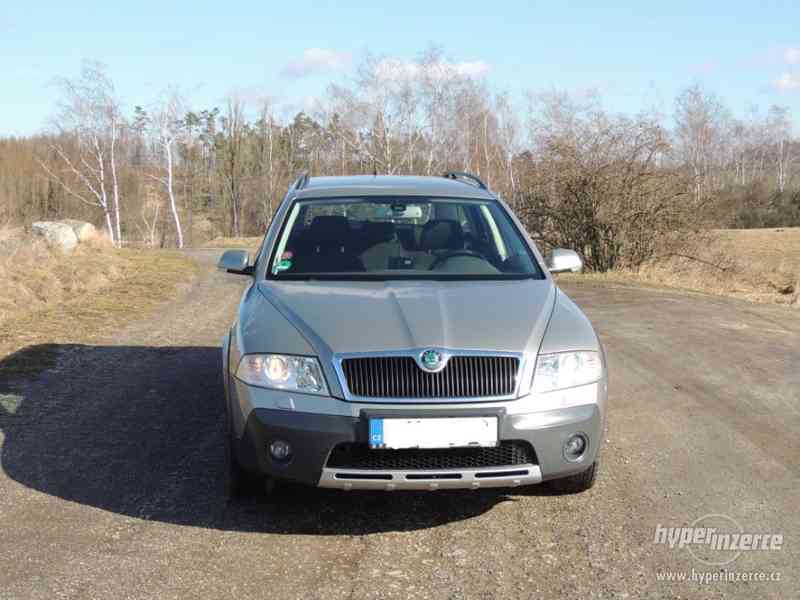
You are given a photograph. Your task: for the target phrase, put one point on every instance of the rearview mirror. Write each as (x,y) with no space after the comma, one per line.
(562,260)
(235,261)
(398,211)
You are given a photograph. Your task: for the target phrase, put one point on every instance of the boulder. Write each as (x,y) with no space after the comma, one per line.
(57,235)
(83,230)
(782,282)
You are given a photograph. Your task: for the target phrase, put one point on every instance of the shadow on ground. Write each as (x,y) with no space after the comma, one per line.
(138,431)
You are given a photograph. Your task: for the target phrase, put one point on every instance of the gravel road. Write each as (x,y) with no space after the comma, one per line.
(111,468)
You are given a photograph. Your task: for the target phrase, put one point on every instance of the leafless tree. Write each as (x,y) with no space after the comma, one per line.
(597,183)
(779,127)
(232,157)
(83,157)
(151,207)
(702,126)
(166,129)
(271,168)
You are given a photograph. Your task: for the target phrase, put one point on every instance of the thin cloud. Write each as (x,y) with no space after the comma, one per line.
(317,61)
(788,82)
(776,56)
(791,56)
(287,108)
(253,95)
(396,69)
(708,67)
(476,68)
(6,25)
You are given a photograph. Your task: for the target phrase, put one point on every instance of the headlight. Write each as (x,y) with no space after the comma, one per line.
(565,370)
(282,372)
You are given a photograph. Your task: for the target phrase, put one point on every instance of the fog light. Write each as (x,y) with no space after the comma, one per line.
(280,450)
(575,447)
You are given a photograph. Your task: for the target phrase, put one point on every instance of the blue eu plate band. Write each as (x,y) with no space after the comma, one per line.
(376,433)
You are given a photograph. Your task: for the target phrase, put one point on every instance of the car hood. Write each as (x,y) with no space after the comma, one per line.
(358,316)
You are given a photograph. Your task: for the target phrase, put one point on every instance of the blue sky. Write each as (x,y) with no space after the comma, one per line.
(637,54)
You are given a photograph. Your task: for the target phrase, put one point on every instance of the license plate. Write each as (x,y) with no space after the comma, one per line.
(438,432)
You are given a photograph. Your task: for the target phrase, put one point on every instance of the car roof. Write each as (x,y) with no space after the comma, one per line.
(390,185)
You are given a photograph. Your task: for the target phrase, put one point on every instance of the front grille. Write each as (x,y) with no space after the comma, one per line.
(401,377)
(361,456)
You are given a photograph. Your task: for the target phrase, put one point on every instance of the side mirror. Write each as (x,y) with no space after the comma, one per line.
(235,261)
(562,260)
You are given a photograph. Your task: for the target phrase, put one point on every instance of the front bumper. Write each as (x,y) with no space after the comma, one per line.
(314,436)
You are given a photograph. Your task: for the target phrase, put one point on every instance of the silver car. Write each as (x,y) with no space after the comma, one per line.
(404,333)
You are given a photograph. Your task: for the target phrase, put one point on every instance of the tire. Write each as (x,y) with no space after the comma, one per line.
(238,482)
(234,478)
(575,484)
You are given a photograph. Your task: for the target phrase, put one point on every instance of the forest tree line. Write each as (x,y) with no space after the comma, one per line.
(618,188)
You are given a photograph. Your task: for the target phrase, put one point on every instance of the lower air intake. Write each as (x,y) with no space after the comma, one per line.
(361,456)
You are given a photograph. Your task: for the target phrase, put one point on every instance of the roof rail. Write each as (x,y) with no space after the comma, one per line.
(462,175)
(301,181)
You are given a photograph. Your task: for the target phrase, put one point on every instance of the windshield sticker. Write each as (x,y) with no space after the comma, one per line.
(288,255)
(283,265)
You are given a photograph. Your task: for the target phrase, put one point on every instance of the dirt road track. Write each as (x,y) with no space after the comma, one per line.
(111,466)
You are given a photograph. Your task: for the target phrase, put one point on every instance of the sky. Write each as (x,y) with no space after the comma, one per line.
(636,55)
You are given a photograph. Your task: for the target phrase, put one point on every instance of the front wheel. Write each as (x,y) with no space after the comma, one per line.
(238,482)
(575,484)
(234,477)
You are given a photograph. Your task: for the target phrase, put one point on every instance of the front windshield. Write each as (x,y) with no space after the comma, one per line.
(403,237)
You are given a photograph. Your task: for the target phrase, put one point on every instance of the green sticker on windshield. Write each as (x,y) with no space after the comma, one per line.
(283,265)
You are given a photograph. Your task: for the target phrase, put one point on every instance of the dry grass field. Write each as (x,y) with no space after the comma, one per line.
(245,243)
(759,265)
(777,249)
(51,298)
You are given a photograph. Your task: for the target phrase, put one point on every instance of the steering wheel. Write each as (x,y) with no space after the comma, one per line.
(453,254)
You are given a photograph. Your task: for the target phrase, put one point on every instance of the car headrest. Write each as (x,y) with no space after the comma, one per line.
(446,212)
(442,234)
(378,231)
(329,229)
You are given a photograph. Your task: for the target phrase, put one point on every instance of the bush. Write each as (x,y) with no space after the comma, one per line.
(602,186)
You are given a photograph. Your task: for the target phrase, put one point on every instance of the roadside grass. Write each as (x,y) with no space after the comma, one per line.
(51,299)
(244,243)
(758,265)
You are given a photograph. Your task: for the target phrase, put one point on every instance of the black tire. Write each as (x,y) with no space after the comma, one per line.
(575,484)
(269,486)
(238,482)
(234,478)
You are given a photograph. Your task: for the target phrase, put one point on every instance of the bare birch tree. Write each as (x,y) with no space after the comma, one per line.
(702,126)
(779,126)
(166,128)
(83,158)
(271,168)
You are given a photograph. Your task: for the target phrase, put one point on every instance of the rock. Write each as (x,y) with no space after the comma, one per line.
(83,230)
(783,283)
(57,235)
